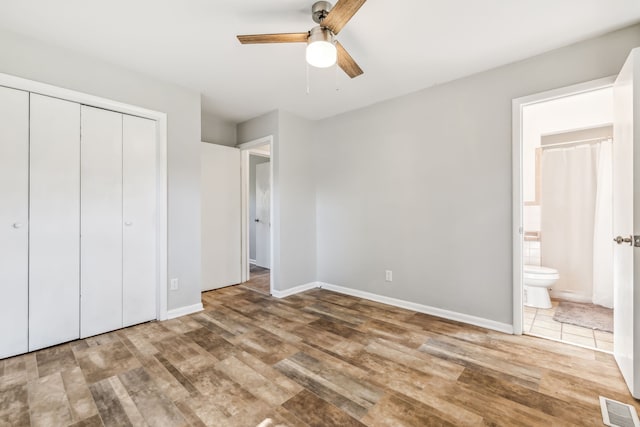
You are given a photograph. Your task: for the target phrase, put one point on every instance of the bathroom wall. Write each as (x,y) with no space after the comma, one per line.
(531,246)
(531,252)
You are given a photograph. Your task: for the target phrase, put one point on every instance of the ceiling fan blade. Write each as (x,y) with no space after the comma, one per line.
(274,38)
(341,13)
(346,62)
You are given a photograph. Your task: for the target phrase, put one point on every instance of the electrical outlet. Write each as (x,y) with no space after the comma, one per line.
(174,284)
(388,276)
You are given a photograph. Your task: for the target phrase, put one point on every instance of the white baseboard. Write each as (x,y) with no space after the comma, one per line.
(571,296)
(252,261)
(183,311)
(438,312)
(434,311)
(295,290)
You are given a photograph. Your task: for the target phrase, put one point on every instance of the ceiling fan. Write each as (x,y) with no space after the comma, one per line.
(323,50)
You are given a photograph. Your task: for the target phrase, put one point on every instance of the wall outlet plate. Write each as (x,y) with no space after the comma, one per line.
(388,276)
(173,285)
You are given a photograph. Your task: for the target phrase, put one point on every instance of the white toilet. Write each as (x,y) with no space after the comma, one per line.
(537,281)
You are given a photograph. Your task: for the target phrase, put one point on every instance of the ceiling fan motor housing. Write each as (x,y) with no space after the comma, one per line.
(320,10)
(320,33)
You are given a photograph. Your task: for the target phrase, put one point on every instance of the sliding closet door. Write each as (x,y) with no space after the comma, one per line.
(14,216)
(54,225)
(101,211)
(139,188)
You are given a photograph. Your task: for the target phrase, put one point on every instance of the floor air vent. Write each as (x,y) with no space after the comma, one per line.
(618,414)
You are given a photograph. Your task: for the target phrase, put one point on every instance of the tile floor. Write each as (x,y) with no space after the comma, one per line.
(539,321)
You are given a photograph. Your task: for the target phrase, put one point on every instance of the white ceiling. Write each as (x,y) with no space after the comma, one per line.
(402,45)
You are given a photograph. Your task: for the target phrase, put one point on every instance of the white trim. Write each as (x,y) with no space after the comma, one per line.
(517,105)
(516,221)
(252,261)
(259,154)
(295,290)
(163,226)
(571,296)
(183,311)
(246,149)
(75,96)
(244,216)
(161,119)
(257,142)
(421,308)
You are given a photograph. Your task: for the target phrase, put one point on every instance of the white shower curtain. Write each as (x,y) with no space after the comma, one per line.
(603,228)
(576,220)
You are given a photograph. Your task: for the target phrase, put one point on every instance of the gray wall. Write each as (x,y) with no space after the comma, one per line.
(421,184)
(217,130)
(293,221)
(297,202)
(34,60)
(253,161)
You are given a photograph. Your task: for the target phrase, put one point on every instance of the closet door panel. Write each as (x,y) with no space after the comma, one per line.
(54,230)
(14,215)
(101,226)
(139,215)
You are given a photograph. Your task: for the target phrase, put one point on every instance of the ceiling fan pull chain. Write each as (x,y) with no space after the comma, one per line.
(335,67)
(308,90)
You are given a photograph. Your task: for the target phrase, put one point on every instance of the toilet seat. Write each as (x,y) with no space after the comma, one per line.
(535,274)
(538,269)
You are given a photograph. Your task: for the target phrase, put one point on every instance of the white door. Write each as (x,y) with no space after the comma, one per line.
(220,216)
(139,215)
(101,227)
(626,221)
(54,222)
(14,216)
(263,215)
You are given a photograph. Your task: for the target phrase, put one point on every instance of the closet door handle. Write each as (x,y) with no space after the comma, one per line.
(17,225)
(128,223)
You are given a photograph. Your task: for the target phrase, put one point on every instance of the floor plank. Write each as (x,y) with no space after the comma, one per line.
(317,358)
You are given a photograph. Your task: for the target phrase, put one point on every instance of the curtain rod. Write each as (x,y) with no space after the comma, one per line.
(581,141)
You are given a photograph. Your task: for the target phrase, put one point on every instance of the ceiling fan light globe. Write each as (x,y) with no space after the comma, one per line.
(321,54)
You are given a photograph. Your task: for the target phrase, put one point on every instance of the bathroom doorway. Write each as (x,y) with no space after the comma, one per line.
(563,271)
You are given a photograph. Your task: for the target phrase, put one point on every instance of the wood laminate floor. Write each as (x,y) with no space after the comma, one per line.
(259,280)
(312,359)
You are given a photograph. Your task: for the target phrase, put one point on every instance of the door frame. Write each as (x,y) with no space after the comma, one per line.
(161,159)
(264,156)
(517,106)
(245,149)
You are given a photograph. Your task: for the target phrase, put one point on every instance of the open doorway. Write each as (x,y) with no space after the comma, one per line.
(256,215)
(563,251)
